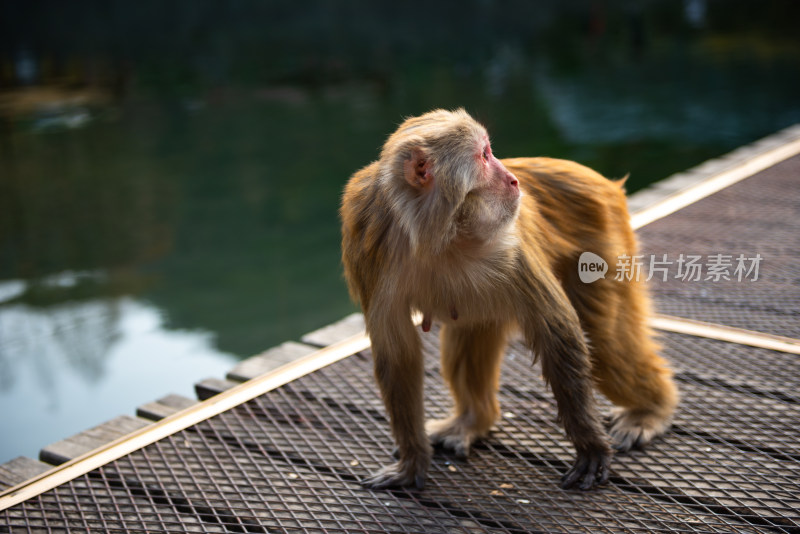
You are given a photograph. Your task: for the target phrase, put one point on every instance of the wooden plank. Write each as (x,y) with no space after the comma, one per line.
(19,470)
(725,333)
(62,451)
(269,360)
(205,389)
(679,190)
(164,407)
(350,326)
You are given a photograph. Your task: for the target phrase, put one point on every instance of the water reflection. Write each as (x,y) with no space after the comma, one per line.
(77,335)
(623,105)
(91,361)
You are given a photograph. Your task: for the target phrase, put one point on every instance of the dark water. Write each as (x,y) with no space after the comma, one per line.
(170,172)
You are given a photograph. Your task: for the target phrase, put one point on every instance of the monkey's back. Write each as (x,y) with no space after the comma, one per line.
(571,208)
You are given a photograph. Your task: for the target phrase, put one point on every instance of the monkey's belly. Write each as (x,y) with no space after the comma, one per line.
(465,310)
(462,291)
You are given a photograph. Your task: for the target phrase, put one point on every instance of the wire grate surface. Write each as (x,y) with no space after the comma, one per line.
(760,215)
(290,461)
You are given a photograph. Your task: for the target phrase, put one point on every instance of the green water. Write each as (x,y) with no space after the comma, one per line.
(169,204)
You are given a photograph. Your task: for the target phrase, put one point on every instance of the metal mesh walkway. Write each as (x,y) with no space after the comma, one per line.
(290,460)
(760,215)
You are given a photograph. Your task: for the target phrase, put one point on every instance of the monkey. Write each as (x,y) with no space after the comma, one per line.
(438,225)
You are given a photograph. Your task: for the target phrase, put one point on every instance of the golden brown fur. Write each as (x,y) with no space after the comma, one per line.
(437,225)
(613,314)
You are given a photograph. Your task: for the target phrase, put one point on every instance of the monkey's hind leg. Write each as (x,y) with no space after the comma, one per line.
(629,371)
(471,358)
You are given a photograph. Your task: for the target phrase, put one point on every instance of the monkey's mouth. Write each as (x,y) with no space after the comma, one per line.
(514,197)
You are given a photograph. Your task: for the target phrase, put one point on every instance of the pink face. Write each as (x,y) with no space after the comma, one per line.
(497,176)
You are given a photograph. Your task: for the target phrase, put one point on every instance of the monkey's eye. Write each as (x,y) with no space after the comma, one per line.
(486,154)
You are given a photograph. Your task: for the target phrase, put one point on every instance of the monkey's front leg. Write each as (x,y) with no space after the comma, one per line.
(554,333)
(399,371)
(566,367)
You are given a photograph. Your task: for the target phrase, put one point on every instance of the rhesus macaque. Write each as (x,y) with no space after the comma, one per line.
(484,246)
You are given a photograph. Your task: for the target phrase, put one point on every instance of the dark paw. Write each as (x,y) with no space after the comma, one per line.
(590,468)
(449,447)
(396,475)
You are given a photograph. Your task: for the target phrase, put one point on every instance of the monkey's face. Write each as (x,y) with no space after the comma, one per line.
(492,197)
(444,184)
(495,178)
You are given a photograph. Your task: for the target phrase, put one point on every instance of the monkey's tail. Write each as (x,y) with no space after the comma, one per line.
(621,181)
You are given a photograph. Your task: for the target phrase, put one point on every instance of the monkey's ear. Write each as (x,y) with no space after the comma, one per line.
(417,170)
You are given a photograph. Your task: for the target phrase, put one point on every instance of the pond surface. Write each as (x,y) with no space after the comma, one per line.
(170,176)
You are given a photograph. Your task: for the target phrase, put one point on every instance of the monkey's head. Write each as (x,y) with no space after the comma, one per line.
(444,184)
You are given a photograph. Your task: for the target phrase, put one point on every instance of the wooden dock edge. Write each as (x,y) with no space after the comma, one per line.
(22,477)
(181,419)
(682,189)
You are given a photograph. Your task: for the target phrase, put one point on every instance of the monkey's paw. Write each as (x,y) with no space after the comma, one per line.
(451,434)
(592,467)
(397,475)
(631,429)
